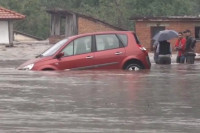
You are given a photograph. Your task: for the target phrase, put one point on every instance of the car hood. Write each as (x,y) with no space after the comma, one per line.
(33,61)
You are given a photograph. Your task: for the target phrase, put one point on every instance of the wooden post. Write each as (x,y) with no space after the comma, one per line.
(52,25)
(68,26)
(71,25)
(75,30)
(55,24)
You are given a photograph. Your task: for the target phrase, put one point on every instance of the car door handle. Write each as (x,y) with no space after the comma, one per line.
(89,57)
(118,53)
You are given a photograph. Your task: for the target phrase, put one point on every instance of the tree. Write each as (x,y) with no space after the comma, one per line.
(116,12)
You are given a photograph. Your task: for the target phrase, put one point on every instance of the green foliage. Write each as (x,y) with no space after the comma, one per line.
(116,12)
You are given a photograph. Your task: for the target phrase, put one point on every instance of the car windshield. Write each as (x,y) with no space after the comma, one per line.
(54,48)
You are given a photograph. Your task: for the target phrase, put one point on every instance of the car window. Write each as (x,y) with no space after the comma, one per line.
(78,46)
(55,48)
(105,42)
(123,38)
(69,49)
(83,45)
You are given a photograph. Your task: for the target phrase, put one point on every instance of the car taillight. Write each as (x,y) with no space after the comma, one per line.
(143,48)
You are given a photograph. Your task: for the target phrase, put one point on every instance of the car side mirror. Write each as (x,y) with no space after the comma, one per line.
(58,56)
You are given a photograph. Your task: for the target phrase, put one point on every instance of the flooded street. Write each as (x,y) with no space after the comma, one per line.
(165,99)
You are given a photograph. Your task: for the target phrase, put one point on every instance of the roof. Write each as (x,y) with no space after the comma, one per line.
(28,35)
(63,13)
(167,18)
(6,14)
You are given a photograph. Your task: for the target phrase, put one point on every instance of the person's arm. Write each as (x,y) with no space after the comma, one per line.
(170,49)
(158,48)
(188,42)
(155,44)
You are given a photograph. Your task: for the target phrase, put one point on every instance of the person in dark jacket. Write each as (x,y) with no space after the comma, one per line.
(164,52)
(155,45)
(189,47)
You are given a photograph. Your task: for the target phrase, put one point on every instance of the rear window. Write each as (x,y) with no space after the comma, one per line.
(123,38)
(105,42)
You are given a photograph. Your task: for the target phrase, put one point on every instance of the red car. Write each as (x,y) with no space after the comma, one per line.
(101,50)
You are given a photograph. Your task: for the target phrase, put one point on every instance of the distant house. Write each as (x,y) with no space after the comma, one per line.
(147,27)
(23,37)
(66,23)
(6,25)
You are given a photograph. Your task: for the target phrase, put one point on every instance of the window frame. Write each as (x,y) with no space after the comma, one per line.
(197,35)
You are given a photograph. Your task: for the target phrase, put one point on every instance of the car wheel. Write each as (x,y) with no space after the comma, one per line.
(134,67)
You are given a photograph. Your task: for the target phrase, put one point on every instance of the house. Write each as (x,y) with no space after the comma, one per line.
(147,27)
(6,25)
(65,23)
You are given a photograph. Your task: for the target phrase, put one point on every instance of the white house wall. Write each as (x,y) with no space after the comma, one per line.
(4,32)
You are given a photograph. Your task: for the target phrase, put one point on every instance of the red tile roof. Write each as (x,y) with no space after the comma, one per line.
(6,14)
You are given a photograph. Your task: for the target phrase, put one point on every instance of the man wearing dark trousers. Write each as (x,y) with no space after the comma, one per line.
(164,52)
(189,47)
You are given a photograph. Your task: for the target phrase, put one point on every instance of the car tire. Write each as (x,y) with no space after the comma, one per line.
(134,67)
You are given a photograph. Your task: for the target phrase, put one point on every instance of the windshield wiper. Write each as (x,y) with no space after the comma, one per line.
(40,55)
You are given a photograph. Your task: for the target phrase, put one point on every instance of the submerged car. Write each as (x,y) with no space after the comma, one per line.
(101,50)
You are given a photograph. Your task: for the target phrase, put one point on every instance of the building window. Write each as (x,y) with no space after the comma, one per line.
(197,33)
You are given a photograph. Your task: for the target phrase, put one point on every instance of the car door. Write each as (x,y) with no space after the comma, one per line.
(77,54)
(109,51)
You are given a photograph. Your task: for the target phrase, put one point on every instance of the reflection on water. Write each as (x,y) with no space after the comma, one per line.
(164,99)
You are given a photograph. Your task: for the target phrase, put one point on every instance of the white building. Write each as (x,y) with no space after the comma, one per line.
(6,25)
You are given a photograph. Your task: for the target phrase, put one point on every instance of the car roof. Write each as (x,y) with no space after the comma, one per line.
(99,33)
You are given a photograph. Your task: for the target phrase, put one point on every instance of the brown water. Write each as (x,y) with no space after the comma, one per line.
(164,99)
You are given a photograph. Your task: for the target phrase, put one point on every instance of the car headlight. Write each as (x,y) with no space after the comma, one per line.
(28,67)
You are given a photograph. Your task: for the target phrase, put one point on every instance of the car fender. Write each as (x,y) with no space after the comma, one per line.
(129,58)
(47,67)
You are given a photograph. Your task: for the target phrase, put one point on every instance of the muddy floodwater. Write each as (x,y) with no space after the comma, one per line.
(165,99)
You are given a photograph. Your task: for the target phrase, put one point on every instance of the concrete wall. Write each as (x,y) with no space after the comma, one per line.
(20,37)
(4,32)
(143,30)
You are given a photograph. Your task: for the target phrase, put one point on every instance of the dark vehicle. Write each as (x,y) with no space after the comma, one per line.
(102,50)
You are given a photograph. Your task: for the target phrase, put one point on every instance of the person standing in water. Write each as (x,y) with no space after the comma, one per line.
(180,47)
(190,47)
